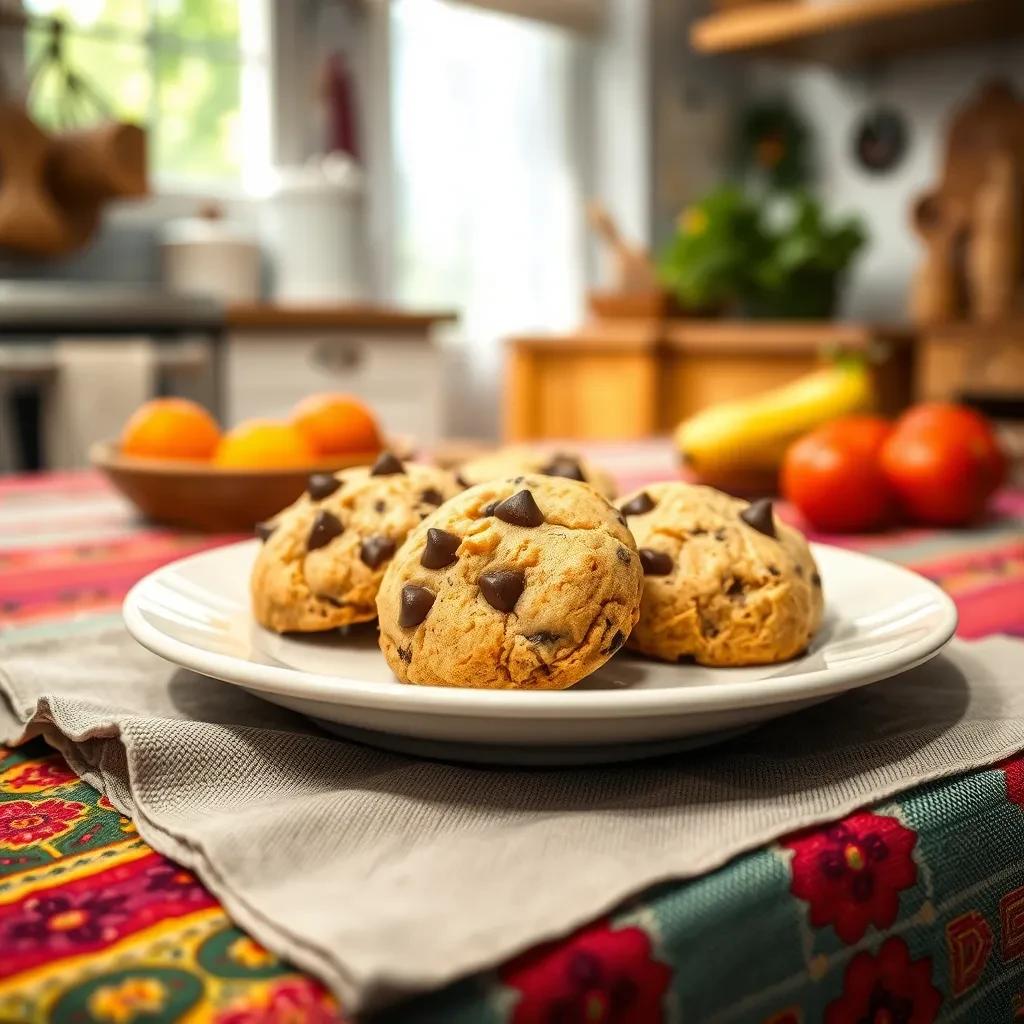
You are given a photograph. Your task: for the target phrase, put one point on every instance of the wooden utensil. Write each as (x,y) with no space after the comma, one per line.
(936,295)
(634,271)
(994,251)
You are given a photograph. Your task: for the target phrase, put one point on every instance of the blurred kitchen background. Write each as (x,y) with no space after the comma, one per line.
(502,219)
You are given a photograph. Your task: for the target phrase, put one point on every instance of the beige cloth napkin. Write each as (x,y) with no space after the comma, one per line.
(99,383)
(387,875)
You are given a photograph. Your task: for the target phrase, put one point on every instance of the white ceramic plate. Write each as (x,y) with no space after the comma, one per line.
(880,620)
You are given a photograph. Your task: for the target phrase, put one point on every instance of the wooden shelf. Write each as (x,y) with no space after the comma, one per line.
(359,315)
(847,31)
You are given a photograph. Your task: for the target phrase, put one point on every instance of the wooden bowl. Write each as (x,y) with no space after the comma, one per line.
(201,496)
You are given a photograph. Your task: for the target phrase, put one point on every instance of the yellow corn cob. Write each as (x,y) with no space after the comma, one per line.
(753,433)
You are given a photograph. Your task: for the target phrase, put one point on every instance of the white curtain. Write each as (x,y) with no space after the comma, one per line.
(488,190)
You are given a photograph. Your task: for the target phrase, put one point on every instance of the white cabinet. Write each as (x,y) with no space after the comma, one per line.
(398,375)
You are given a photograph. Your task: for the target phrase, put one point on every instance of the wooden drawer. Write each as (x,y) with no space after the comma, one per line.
(267,373)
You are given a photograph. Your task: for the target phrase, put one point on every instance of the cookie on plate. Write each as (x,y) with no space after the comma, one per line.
(527,583)
(518,461)
(323,557)
(725,582)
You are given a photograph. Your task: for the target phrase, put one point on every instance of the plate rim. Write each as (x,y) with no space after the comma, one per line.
(571,702)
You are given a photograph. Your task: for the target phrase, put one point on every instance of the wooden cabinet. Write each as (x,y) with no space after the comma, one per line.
(599,383)
(627,379)
(979,361)
(388,359)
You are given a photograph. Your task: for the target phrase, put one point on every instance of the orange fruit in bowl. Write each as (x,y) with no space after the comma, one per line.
(170,428)
(264,444)
(334,423)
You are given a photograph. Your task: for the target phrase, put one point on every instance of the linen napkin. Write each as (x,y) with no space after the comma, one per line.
(386,875)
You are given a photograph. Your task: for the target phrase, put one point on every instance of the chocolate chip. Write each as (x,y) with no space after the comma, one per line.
(638,506)
(816,579)
(416,603)
(264,530)
(617,641)
(698,532)
(720,534)
(462,481)
(518,479)
(502,588)
(621,518)
(324,529)
(440,549)
(686,659)
(380,506)
(655,563)
(375,551)
(564,466)
(432,496)
(543,638)
(774,570)
(386,465)
(623,556)
(708,628)
(405,654)
(800,571)
(520,510)
(488,510)
(735,588)
(322,485)
(758,515)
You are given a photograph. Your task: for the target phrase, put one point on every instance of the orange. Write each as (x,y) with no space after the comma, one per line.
(170,428)
(335,423)
(264,444)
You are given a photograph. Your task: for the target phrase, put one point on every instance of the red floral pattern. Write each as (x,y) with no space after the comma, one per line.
(69,918)
(24,822)
(296,1001)
(851,873)
(1013,771)
(36,775)
(600,975)
(886,989)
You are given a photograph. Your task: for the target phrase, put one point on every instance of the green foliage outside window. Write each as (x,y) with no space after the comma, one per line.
(171,65)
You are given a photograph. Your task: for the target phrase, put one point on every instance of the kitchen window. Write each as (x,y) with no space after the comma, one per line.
(194,71)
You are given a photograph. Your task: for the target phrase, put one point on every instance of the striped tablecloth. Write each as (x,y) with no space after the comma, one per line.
(903,913)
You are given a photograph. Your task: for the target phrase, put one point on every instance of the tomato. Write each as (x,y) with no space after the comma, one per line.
(833,477)
(943,462)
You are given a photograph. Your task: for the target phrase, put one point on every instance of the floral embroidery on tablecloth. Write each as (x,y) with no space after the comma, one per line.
(68,918)
(852,872)
(35,776)
(600,974)
(249,953)
(889,988)
(24,822)
(287,1002)
(121,1003)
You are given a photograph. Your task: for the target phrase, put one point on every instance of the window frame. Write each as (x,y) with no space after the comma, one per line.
(253,53)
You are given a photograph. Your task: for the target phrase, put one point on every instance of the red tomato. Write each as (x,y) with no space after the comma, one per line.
(943,462)
(832,475)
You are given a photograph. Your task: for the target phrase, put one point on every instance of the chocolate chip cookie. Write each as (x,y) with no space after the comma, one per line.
(725,582)
(527,583)
(519,461)
(323,558)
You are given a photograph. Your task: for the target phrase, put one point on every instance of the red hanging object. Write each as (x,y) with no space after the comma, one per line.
(338,94)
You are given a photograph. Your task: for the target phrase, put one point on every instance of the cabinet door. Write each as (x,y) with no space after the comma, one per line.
(398,377)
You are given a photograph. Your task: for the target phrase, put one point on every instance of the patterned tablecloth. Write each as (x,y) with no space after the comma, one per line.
(899,914)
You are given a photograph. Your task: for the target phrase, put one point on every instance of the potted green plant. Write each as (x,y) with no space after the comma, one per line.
(771,256)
